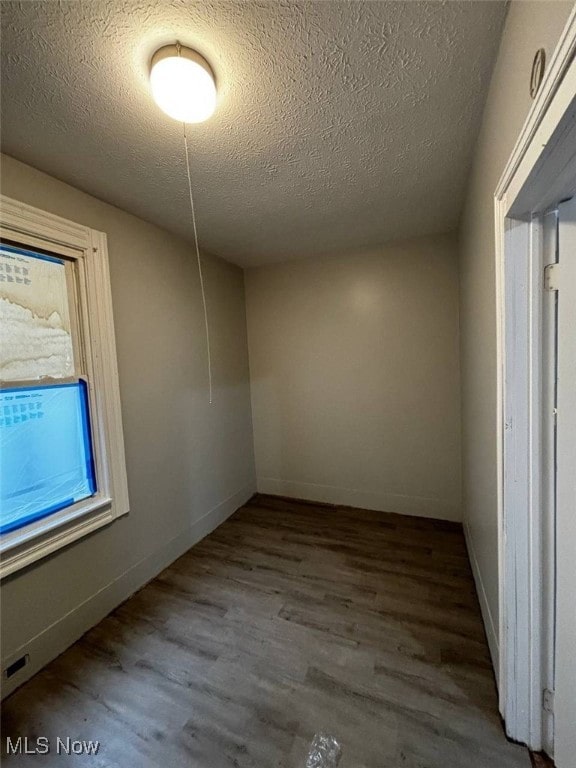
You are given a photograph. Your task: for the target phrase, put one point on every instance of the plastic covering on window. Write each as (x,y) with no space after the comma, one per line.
(35,331)
(46,459)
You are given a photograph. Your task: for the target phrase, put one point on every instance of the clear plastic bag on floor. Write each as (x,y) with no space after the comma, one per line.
(325,752)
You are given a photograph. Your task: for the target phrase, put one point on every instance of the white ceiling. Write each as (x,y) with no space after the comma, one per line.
(340,125)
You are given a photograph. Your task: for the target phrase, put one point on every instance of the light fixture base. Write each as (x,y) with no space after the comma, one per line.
(176,50)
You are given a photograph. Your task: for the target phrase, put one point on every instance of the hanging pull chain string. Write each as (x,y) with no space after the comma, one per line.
(199,262)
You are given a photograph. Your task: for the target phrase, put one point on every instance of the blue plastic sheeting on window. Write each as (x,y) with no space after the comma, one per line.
(46,458)
(33,254)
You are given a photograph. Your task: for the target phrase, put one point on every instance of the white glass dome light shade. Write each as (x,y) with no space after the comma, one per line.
(183,84)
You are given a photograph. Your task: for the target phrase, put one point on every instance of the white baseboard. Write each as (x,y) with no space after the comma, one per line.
(419,506)
(489,624)
(53,640)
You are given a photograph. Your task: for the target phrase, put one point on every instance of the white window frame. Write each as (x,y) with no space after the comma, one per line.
(540,172)
(31,227)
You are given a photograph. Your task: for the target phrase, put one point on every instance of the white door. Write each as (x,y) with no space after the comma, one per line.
(565,662)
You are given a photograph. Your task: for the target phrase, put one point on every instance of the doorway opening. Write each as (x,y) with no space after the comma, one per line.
(536,273)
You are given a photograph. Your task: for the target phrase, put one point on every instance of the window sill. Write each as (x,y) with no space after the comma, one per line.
(23,547)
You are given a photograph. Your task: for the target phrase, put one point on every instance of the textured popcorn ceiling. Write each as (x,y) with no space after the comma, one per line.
(340,125)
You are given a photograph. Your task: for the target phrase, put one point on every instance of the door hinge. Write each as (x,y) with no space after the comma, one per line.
(552,277)
(548,700)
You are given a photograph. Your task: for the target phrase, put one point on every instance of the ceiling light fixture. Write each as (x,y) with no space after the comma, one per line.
(183,84)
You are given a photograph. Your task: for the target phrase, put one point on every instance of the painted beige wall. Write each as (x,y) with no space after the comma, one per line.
(355,378)
(189,464)
(529,26)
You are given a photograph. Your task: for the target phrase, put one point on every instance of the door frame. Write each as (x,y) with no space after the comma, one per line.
(540,173)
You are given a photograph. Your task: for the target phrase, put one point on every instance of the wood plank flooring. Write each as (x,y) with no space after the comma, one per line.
(291,618)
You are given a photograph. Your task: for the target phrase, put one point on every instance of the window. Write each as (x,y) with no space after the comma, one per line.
(46,456)
(62,467)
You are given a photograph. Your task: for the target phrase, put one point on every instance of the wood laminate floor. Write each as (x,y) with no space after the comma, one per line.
(289,619)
